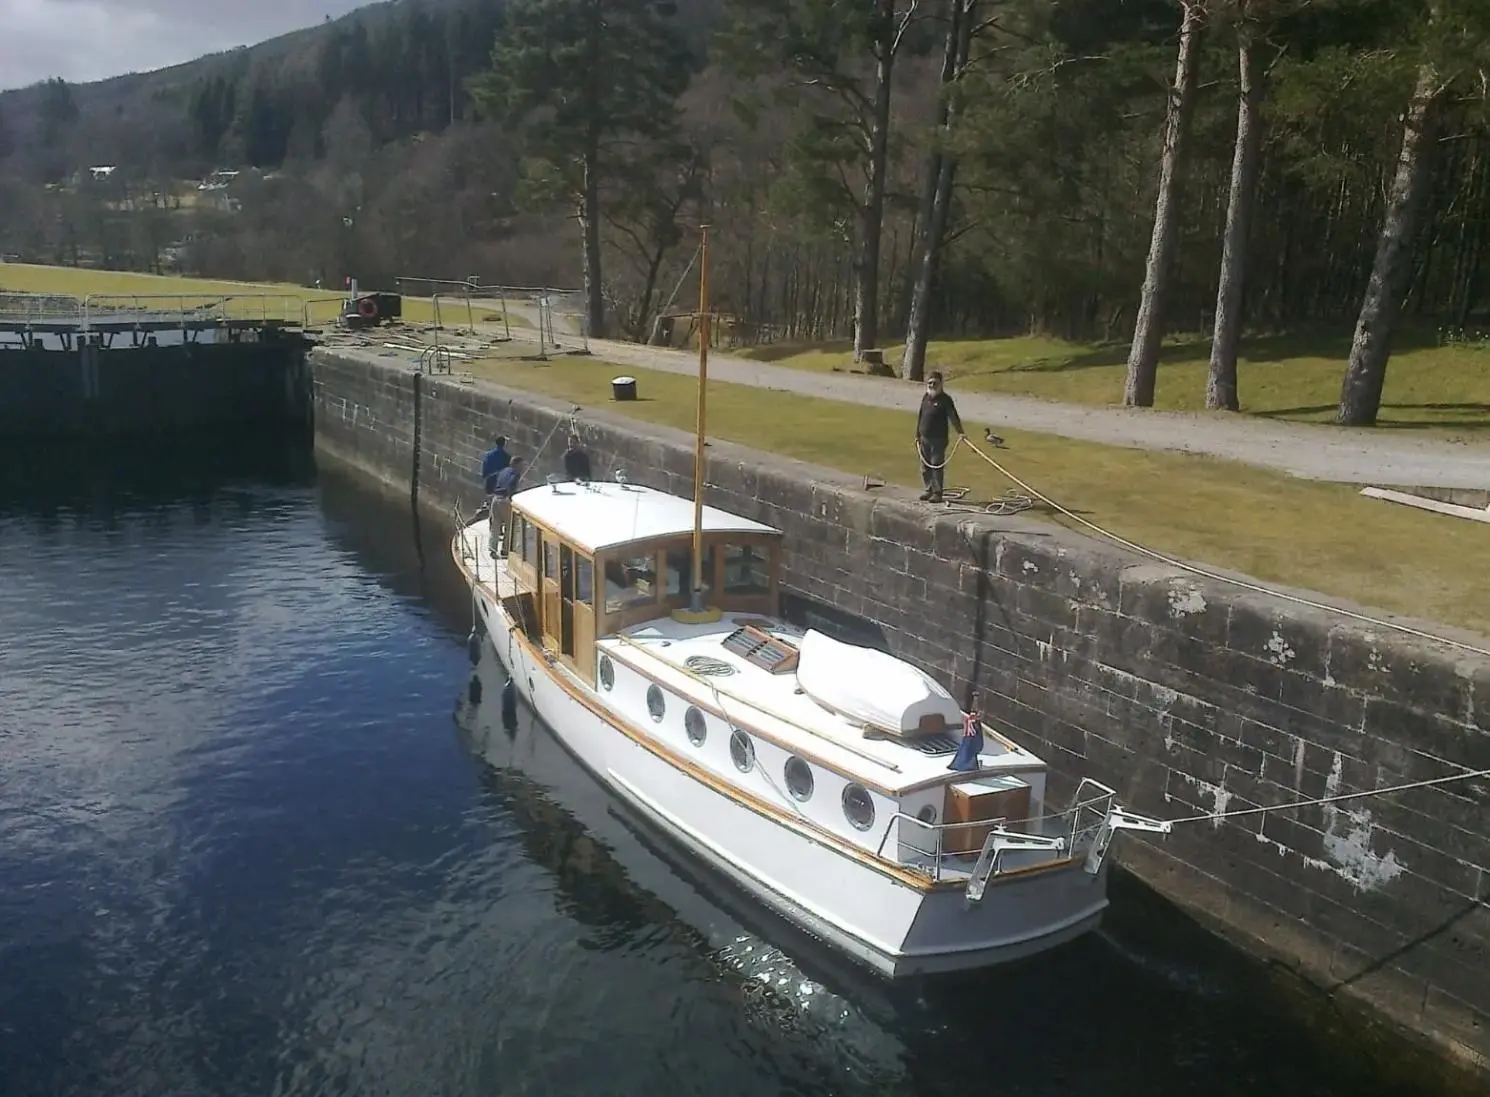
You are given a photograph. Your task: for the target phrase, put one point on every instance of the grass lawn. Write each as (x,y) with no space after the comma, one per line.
(1293,377)
(322,305)
(1301,533)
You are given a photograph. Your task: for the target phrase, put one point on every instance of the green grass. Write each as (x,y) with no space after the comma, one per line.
(1316,536)
(172,292)
(1293,377)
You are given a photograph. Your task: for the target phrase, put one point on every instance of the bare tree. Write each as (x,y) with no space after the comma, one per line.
(1148,330)
(1221,382)
(1365,375)
(937,201)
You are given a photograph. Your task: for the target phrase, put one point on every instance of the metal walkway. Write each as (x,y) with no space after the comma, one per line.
(29,320)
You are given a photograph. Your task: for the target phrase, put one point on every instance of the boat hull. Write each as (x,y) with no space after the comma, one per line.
(871,915)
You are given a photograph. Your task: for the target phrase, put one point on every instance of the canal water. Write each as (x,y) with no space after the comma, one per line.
(258,838)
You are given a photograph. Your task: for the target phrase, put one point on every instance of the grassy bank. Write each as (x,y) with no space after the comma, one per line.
(1295,377)
(1305,534)
(322,305)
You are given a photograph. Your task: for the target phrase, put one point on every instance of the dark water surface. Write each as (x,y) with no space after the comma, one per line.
(255,839)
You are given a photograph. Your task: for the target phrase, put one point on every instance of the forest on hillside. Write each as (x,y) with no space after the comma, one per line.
(883,171)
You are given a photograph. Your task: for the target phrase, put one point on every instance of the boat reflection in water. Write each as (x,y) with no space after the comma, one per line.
(620,878)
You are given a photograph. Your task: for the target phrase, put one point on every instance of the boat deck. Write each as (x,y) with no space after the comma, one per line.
(776,704)
(664,648)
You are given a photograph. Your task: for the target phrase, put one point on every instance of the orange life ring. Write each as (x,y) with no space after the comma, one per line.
(367,307)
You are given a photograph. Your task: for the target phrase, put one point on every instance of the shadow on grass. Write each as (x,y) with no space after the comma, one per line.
(1258,349)
(775,352)
(1473,416)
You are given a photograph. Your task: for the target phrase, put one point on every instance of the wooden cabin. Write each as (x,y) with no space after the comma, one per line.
(592,559)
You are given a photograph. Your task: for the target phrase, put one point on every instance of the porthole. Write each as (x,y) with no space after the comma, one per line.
(656,704)
(799,779)
(693,723)
(741,751)
(607,673)
(927,815)
(858,807)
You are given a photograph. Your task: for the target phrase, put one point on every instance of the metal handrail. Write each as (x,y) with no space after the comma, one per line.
(938,855)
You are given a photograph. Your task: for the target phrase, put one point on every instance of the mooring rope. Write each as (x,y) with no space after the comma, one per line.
(1212,816)
(1203,573)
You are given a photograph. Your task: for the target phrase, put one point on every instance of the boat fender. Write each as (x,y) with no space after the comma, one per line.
(509,703)
(473,647)
(473,690)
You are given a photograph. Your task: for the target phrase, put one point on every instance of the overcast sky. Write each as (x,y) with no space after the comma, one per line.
(82,40)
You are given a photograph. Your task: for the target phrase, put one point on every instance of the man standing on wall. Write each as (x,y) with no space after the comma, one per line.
(496,459)
(937,412)
(504,487)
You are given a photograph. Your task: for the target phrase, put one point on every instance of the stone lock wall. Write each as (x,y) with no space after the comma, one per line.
(1188,696)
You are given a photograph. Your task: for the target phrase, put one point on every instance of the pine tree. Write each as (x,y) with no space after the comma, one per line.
(594,81)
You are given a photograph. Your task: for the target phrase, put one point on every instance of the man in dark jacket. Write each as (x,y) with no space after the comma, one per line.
(937,413)
(495,460)
(576,461)
(504,487)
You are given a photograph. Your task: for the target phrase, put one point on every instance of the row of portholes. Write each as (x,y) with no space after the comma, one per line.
(858,805)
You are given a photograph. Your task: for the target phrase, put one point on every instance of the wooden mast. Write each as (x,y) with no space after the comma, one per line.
(696,602)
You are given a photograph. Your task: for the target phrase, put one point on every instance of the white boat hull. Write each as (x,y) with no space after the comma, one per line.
(891,926)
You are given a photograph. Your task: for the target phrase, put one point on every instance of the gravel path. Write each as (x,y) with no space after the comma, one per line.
(1317,452)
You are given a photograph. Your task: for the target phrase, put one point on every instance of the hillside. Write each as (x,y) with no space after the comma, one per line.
(879,172)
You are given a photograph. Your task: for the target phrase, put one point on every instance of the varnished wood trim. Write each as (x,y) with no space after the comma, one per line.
(755,729)
(833,767)
(1034,766)
(745,799)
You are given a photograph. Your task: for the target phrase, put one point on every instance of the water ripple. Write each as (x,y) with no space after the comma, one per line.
(244,850)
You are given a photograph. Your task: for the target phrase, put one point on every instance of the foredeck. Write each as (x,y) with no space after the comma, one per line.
(775,705)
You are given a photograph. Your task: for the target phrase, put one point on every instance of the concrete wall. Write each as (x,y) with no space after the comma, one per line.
(1187,696)
(149,389)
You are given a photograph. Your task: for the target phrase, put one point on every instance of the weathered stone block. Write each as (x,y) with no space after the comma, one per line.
(1186,694)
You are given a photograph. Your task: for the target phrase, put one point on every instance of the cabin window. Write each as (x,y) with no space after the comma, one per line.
(680,570)
(656,704)
(550,561)
(927,815)
(530,542)
(858,807)
(630,582)
(741,751)
(584,581)
(693,723)
(747,570)
(607,673)
(799,779)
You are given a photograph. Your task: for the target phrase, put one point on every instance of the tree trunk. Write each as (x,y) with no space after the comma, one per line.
(1360,393)
(1143,355)
(1221,386)
(590,222)
(872,212)
(937,202)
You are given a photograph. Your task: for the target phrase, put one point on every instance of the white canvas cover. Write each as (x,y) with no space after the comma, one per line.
(871,687)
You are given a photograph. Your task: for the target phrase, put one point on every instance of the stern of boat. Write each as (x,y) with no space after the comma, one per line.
(1006,889)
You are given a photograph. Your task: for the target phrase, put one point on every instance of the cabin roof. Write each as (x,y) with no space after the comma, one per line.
(602,514)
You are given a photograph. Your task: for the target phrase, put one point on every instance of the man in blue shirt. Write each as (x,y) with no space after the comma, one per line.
(496,459)
(503,488)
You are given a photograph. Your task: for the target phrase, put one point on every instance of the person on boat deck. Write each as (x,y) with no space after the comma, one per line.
(937,413)
(504,487)
(496,459)
(576,461)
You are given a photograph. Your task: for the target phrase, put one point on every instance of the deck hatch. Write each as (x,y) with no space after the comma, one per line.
(761,649)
